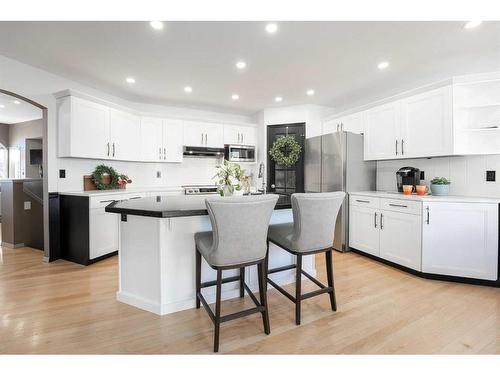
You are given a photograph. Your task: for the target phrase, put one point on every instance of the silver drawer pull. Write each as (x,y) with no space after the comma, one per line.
(362,201)
(135,198)
(108,201)
(398,205)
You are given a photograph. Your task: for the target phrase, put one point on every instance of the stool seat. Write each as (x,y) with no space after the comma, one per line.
(283,236)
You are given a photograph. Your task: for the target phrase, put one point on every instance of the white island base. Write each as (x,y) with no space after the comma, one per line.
(157,263)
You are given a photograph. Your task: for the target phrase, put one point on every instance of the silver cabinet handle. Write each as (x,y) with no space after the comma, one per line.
(238,137)
(375,220)
(341,126)
(201,138)
(398,205)
(241,137)
(205,139)
(108,148)
(396,146)
(381,221)
(113,149)
(159,153)
(337,127)
(402,147)
(428,216)
(164,153)
(362,201)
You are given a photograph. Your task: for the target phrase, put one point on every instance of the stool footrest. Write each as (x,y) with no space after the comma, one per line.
(316,293)
(280,269)
(224,281)
(281,290)
(241,314)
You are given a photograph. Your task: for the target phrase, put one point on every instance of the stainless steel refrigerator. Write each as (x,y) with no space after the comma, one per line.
(334,162)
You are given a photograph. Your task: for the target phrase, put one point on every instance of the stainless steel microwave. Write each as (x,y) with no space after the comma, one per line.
(238,153)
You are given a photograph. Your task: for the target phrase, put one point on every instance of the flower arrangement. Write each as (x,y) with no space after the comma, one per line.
(124,180)
(229,178)
(106,178)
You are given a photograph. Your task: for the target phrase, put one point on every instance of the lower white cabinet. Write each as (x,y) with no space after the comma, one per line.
(400,238)
(103,232)
(460,239)
(363,229)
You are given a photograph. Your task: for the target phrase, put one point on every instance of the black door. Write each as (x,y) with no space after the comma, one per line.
(281,179)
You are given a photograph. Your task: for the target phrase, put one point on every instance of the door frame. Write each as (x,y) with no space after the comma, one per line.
(45,180)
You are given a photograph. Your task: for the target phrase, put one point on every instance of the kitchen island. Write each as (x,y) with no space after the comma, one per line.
(157,253)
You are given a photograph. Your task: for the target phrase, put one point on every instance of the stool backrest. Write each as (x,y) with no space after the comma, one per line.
(314,218)
(239,226)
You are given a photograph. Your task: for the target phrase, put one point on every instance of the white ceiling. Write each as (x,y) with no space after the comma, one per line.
(336,59)
(12,113)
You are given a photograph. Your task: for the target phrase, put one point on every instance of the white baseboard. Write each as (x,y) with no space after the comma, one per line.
(12,246)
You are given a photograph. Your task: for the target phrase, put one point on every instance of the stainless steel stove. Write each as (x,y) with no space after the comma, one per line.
(199,189)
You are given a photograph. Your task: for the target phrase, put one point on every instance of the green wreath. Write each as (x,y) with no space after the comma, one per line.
(101,170)
(285,151)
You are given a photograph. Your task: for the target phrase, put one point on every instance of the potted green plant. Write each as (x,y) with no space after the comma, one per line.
(229,179)
(440,186)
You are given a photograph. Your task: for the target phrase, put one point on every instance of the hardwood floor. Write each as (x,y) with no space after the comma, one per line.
(62,307)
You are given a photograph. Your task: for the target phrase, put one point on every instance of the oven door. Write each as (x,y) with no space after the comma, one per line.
(237,153)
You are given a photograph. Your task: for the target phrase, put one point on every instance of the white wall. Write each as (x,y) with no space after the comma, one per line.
(39,86)
(467,173)
(18,133)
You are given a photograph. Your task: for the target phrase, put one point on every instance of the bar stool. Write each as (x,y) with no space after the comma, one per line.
(312,231)
(237,240)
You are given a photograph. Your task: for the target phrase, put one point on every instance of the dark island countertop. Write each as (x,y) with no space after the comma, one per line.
(165,206)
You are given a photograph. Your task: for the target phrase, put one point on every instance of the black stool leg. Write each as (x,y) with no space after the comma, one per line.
(198,277)
(298,281)
(329,274)
(217,310)
(242,282)
(261,270)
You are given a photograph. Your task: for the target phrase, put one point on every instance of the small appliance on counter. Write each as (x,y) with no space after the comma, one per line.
(408,176)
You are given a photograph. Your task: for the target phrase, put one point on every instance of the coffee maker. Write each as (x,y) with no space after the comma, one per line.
(408,176)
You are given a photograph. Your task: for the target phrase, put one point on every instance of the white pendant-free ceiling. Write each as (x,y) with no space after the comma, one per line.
(338,60)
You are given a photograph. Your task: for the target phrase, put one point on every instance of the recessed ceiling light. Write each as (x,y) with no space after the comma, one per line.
(157,25)
(17,102)
(2,106)
(271,28)
(235,96)
(278,99)
(130,80)
(472,24)
(310,92)
(188,89)
(383,65)
(241,65)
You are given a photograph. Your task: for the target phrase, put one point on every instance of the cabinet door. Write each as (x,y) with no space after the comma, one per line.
(232,135)
(382,132)
(214,135)
(353,123)
(331,126)
(151,139)
(125,132)
(173,140)
(193,134)
(363,229)
(247,136)
(460,239)
(89,134)
(426,128)
(103,232)
(400,238)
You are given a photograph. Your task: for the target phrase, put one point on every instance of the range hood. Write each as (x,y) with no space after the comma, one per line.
(203,152)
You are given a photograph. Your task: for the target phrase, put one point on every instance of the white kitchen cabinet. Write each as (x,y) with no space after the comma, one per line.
(173,140)
(363,229)
(353,123)
(83,128)
(382,132)
(202,134)
(460,239)
(331,126)
(125,133)
(151,139)
(103,232)
(239,135)
(427,124)
(400,238)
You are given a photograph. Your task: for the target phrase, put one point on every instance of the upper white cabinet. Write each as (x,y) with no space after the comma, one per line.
(161,140)
(125,133)
(173,140)
(351,123)
(382,132)
(427,124)
(203,134)
(460,239)
(239,135)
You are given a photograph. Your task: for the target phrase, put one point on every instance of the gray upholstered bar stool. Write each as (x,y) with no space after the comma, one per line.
(312,231)
(237,240)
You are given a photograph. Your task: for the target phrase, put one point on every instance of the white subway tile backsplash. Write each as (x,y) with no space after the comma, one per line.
(467,173)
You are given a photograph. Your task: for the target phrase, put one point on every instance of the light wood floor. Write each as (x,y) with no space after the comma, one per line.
(62,307)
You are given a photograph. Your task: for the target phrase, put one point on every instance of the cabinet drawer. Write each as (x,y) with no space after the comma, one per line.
(364,201)
(400,205)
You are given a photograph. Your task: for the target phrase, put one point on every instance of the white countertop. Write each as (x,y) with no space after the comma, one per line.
(128,190)
(426,198)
